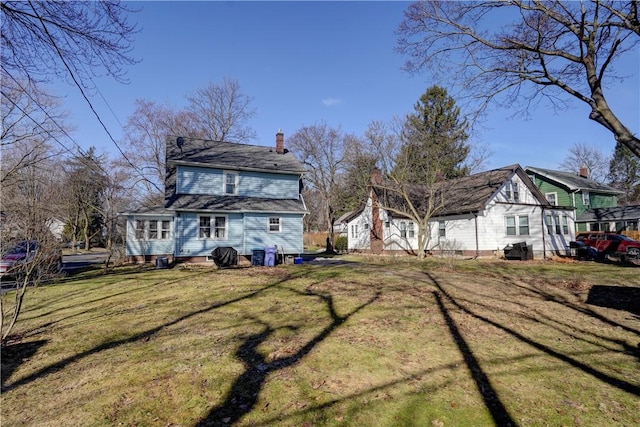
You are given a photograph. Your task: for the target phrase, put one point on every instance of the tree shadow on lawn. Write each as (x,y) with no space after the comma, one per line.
(617,297)
(14,354)
(145,335)
(243,395)
(616,382)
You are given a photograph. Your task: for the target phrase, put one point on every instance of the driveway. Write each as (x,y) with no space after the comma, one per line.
(70,264)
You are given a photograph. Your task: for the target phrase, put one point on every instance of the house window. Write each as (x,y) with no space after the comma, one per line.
(165,231)
(403,229)
(366,226)
(412,232)
(153,230)
(442,229)
(511,191)
(552,198)
(139,229)
(632,226)
(230,183)
(565,224)
(594,227)
(522,228)
(220,223)
(354,231)
(524,225)
(205,227)
(274,225)
(585,198)
(549,222)
(387,224)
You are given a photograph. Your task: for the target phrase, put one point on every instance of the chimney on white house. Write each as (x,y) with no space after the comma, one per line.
(584,172)
(280,142)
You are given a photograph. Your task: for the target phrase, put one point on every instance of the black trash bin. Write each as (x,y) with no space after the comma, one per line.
(257,257)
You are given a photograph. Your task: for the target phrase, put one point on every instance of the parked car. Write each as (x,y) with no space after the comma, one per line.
(17,257)
(604,245)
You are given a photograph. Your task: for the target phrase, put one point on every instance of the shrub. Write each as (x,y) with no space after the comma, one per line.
(341,244)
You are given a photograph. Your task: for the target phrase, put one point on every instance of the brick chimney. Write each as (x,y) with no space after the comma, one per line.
(584,172)
(280,142)
(376,176)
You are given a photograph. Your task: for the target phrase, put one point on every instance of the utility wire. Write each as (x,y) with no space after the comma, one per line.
(82,92)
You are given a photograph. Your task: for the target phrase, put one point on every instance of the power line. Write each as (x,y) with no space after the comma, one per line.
(75,81)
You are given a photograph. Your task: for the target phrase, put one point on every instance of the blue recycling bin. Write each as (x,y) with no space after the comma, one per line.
(257,257)
(270,256)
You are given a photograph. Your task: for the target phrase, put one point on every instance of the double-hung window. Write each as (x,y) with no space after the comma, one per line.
(585,198)
(212,227)
(403,229)
(230,183)
(205,227)
(140,229)
(354,231)
(153,230)
(442,229)
(517,225)
(565,224)
(552,198)
(165,231)
(412,232)
(274,225)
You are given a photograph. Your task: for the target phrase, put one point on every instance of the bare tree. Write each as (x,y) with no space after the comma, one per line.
(320,148)
(29,204)
(551,50)
(223,112)
(582,155)
(71,40)
(144,144)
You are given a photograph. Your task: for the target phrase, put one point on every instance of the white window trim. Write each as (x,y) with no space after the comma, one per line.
(555,197)
(517,225)
(213,227)
(210,227)
(279,230)
(146,229)
(235,184)
(585,198)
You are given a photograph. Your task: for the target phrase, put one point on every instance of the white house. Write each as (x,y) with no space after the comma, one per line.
(480,215)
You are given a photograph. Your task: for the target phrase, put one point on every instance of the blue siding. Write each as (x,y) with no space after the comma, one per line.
(197,180)
(139,247)
(256,235)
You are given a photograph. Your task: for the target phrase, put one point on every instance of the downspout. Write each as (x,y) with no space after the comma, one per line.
(544,235)
(244,233)
(475,220)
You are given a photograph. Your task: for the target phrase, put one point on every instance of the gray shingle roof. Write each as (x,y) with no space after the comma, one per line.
(619,213)
(198,202)
(572,181)
(232,155)
(467,194)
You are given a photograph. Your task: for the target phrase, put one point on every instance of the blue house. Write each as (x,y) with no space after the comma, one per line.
(221,194)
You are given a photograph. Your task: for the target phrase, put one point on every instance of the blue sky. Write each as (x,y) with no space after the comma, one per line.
(307,62)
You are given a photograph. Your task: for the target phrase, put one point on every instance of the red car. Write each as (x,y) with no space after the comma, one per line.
(17,257)
(608,244)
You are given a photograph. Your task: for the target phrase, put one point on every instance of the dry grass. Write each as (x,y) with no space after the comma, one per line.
(371,341)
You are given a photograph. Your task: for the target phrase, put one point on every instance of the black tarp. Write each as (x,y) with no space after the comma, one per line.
(225,256)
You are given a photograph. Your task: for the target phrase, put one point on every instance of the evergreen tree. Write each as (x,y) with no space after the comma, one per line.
(434,140)
(624,174)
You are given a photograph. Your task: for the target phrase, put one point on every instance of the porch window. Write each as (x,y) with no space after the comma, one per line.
(549,223)
(139,229)
(274,225)
(442,229)
(556,220)
(153,230)
(565,224)
(165,231)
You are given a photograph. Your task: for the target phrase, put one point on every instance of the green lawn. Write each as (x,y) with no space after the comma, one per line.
(360,342)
